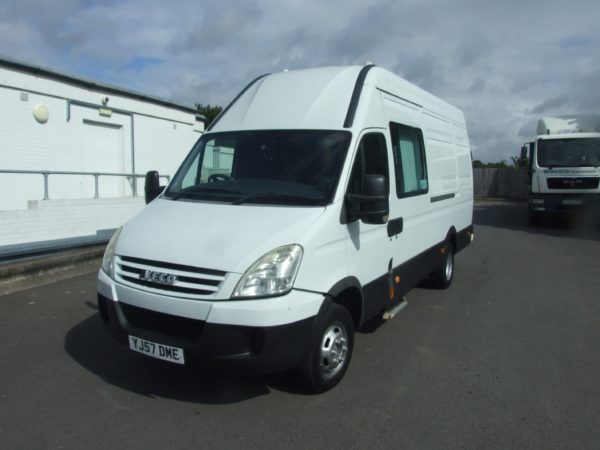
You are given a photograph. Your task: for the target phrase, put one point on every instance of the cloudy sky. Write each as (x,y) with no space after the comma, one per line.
(504,63)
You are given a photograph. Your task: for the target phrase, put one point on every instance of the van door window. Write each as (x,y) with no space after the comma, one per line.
(409,159)
(371,159)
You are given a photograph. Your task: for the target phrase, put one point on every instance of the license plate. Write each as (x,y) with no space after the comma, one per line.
(156,350)
(572,202)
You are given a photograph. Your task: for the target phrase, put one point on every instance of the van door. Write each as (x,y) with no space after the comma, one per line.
(410,209)
(369,248)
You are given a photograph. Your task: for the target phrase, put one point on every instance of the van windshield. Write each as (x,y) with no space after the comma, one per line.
(572,152)
(282,167)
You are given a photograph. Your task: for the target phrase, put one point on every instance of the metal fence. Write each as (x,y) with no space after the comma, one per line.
(131,178)
(501,182)
(506,182)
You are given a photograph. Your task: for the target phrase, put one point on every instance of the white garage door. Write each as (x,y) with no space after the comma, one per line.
(103,152)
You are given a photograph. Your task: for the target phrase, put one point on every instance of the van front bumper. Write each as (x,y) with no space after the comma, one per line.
(257,348)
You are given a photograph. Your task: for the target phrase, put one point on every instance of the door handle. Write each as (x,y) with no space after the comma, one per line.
(395,226)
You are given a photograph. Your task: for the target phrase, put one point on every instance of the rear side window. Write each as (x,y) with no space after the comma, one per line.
(409,160)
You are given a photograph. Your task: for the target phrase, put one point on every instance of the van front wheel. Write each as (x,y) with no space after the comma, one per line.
(327,359)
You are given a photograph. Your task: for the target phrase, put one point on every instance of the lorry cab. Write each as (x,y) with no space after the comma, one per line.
(313,203)
(564,167)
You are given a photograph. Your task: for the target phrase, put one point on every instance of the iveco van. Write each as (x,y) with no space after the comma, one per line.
(313,203)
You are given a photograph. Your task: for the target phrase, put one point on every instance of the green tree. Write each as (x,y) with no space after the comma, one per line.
(518,162)
(209,111)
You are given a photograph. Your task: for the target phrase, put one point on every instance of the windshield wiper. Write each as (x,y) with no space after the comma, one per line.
(198,191)
(273,196)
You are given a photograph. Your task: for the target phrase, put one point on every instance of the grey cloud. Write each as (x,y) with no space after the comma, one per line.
(220,23)
(422,70)
(551,104)
(585,92)
(478,85)
(474,49)
(368,30)
(528,130)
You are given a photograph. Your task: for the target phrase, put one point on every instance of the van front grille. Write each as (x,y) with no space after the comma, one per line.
(167,278)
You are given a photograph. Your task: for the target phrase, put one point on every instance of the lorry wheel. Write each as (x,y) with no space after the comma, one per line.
(442,277)
(328,357)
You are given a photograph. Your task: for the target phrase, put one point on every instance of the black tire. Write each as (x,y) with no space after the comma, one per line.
(328,357)
(443,276)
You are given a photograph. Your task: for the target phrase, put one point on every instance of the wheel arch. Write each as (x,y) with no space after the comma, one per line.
(348,293)
(451,237)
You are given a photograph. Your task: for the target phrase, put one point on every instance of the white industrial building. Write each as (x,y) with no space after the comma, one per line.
(69,150)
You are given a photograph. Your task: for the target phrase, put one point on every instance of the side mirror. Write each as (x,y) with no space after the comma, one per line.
(523,157)
(531,158)
(372,205)
(152,187)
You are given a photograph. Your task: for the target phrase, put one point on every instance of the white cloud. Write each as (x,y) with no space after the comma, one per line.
(503,63)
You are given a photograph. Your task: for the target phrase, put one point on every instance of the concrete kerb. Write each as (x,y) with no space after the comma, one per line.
(46,269)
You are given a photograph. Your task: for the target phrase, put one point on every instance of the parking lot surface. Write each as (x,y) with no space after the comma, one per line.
(508,357)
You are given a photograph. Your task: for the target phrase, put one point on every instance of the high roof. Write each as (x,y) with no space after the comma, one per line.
(323,98)
(309,98)
(583,123)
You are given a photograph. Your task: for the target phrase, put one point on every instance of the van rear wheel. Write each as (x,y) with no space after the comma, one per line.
(442,277)
(328,357)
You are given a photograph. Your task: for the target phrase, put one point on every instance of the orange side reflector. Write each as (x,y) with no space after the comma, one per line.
(392,292)
(397,279)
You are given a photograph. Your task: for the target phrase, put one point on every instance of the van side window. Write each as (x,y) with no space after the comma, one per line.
(371,158)
(409,159)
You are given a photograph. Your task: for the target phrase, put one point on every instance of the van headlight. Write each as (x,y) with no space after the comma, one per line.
(109,253)
(273,274)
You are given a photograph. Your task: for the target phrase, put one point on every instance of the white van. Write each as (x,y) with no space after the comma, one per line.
(313,203)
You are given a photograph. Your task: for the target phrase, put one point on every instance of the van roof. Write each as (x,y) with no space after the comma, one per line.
(318,98)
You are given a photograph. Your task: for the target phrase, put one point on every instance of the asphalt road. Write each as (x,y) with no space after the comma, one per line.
(508,357)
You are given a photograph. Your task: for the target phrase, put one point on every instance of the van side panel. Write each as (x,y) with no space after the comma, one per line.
(429,218)
(324,252)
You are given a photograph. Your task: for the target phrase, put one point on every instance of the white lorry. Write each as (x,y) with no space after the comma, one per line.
(313,203)
(564,167)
